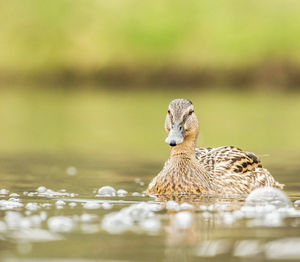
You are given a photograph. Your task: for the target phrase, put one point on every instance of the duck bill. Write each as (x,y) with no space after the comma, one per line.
(176,135)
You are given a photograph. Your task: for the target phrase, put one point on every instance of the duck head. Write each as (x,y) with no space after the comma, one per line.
(181,122)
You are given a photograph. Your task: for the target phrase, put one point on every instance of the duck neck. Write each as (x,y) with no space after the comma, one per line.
(185,149)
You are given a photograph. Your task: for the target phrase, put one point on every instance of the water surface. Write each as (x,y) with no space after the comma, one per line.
(53,212)
(60,145)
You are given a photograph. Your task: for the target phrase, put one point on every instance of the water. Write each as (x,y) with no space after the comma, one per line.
(54,208)
(60,147)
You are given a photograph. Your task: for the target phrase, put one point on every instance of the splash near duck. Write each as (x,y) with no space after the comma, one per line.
(189,170)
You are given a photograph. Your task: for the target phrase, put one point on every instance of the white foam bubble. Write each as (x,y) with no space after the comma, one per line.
(91,205)
(31,194)
(267,196)
(41,189)
(151,225)
(106,191)
(60,203)
(107,205)
(203,208)
(116,223)
(206,215)
(186,206)
(60,224)
(88,217)
(138,212)
(32,206)
(51,193)
(46,205)
(4,191)
(238,214)
(28,213)
(211,208)
(172,205)
(71,170)
(297,203)
(183,220)
(14,195)
(15,221)
(14,199)
(155,207)
(122,192)
(228,218)
(72,204)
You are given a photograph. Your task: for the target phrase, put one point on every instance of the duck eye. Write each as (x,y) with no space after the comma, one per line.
(169,111)
(191,112)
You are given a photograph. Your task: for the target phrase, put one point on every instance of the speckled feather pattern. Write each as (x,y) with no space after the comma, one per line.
(180,176)
(223,170)
(234,170)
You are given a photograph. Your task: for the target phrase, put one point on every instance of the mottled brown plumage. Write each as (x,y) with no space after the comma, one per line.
(189,170)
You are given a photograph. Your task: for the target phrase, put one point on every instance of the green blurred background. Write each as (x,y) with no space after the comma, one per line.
(95,77)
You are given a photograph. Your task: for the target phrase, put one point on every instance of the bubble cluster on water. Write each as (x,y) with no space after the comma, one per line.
(135,217)
(16,221)
(109,191)
(42,191)
(263,207)
(29,212)
(10,204)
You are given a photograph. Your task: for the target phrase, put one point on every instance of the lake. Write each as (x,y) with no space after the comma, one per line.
(61,146)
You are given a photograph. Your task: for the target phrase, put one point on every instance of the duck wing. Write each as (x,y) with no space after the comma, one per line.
(233,167)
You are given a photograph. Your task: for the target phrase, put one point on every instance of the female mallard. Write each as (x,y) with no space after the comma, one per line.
(190,170)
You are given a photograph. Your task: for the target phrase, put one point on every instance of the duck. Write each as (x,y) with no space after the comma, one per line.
(189,170)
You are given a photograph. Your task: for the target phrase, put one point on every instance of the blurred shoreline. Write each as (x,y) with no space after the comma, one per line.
(278,74)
